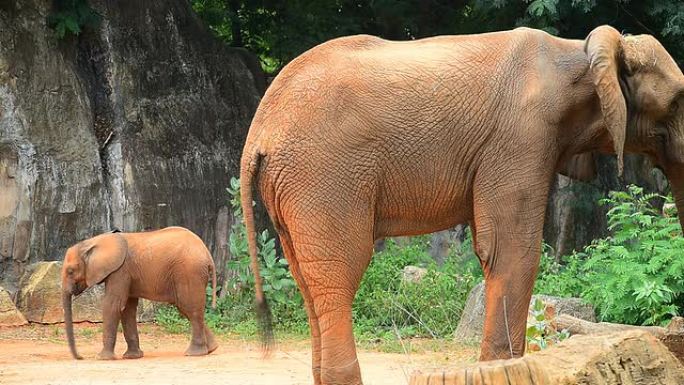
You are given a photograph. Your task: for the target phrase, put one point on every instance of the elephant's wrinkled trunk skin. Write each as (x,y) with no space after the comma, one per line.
(676,178)
(68,324)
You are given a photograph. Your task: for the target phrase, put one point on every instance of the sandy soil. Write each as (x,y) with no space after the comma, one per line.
(39,355)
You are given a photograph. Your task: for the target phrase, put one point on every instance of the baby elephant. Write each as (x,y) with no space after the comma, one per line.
(169,265)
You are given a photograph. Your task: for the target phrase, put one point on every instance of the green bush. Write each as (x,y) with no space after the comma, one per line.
(71,16)
(236,307)
(385,305)
(633,276)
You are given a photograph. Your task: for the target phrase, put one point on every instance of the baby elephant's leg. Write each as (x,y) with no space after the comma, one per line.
(211,341)
(130,329)
(198,343)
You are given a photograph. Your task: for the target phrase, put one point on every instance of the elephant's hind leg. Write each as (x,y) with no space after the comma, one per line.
(288,250)
(331,270)
(211,341)
(198,342)
(130,329)
(190,301)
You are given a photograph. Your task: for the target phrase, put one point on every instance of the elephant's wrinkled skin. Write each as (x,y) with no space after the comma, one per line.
(169,265)
(362,138)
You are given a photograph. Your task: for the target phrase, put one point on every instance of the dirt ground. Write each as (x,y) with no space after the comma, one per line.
(38,354)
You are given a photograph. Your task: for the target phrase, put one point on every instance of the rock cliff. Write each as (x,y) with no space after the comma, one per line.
(137,124)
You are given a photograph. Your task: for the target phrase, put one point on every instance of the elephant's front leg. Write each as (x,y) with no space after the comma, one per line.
(130,329)
(111,314)
(508,231)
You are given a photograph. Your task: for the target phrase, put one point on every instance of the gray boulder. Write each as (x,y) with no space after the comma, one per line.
(9,314)
(471,324)
(413,274)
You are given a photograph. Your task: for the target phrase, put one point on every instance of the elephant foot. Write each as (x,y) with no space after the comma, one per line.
(197,350)
(211,342)
(106,355)
(212,346)
(133,354)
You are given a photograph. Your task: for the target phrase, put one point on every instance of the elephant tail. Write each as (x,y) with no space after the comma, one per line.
(213,285)
(249,169)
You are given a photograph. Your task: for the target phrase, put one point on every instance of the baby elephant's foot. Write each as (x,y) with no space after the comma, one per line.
(211,341)
(211,346)
(195,350)
(132,354)
(106,355)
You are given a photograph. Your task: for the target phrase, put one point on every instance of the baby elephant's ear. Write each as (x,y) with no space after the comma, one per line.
(102,256)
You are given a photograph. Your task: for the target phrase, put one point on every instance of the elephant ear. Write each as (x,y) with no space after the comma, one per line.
(103,255)
(604,47)
(580,166)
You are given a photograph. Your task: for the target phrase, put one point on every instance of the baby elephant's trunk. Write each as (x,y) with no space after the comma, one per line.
(68,324)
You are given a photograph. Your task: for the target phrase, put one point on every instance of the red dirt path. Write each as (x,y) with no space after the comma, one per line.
(39,355)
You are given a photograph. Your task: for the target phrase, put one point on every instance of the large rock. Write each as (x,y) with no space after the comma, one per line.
(40,297)
(9,314)
(626,358)
(471,324)
(137,123)
(413,274)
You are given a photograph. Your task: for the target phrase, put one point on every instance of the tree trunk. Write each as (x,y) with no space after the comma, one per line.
(633,357)
(579,326)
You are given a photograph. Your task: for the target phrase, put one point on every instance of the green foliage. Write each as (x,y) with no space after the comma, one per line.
(71,16)
(541,332)
(171,320)
(635,275)
(278,31)
(279,286)
(387,307)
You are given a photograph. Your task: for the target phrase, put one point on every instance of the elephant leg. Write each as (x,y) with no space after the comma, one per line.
(190,301)
(198,341)
(508,228)
(331,272)
(289,253)
(111,315)
(211,340)
(130,329)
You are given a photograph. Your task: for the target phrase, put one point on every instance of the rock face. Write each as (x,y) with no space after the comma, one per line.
(470,326)
(40,296)
(633,357)
(136,124)
(9,314)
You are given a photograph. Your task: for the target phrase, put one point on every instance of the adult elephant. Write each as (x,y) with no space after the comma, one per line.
(362,138)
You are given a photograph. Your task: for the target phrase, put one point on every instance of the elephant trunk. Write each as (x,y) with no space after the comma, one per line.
(676,178)
(69,324)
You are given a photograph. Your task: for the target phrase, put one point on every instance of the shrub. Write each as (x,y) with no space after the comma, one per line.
(385,305)
(541,331)
(633,276)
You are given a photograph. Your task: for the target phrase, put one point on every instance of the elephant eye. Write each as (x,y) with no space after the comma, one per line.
(70,271)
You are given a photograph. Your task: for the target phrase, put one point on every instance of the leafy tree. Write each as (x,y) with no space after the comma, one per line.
(278,31)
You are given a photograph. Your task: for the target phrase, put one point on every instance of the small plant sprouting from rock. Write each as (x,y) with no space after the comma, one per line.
(71,16)
(541,327)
